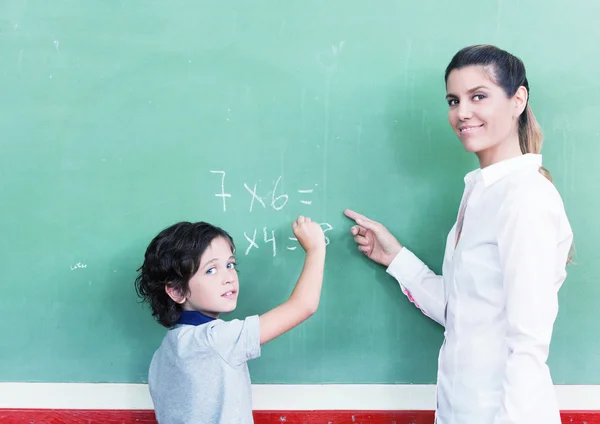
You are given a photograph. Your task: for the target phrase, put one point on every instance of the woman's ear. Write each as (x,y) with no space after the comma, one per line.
(175,294)
(520,101)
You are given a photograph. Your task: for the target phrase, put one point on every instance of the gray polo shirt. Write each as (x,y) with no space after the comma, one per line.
(199,373)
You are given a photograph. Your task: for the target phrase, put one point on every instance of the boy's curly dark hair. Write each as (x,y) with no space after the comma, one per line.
(172,258)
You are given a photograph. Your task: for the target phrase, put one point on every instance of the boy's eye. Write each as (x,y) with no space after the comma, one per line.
(231,265)
(211,270)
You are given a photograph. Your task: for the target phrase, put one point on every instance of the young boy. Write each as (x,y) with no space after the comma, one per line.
(199,373)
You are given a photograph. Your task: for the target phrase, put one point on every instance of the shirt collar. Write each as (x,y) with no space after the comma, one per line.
(492,173)
(193,318)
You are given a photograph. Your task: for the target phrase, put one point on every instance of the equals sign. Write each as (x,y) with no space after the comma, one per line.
(305,202)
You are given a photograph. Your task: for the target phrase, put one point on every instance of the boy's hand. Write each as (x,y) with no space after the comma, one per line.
(309,234)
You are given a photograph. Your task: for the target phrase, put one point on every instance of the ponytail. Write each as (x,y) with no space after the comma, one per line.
(530,141)
(530,133)
(531,136)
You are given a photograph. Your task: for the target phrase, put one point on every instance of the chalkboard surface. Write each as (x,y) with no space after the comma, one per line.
(120,118)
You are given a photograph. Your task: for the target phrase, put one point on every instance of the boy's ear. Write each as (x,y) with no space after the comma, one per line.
(175,294)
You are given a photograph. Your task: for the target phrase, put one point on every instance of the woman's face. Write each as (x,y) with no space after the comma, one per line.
(483,117)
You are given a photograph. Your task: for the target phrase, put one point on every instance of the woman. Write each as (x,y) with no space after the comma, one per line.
(505,257)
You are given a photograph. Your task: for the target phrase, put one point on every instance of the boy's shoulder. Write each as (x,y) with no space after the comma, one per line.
(237,340)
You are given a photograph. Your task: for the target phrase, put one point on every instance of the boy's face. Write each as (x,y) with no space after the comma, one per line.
(214,288)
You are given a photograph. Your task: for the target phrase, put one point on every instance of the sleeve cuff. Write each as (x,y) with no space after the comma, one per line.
(253,340)
(405,267)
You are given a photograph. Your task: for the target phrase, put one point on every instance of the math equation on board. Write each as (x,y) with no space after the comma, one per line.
(277,202)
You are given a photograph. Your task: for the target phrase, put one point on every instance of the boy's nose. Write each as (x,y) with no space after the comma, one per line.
(229,278)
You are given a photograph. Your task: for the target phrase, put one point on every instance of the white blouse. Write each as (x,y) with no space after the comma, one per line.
(497,298)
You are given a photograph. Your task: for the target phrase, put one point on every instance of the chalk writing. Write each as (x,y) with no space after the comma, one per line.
(254,196)
(222,194)
(279,198)
(252,242)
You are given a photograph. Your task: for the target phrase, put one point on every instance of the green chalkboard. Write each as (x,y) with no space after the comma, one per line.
(120,118)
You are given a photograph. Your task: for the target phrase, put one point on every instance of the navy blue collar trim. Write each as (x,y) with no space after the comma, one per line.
(194,318)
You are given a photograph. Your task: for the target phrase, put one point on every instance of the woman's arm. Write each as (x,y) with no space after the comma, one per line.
(532,250)
(421,285)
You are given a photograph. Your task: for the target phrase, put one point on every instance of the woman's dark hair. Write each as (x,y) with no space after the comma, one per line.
(172,258)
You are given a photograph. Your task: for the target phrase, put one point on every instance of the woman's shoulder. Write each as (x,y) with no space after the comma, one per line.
(532,189)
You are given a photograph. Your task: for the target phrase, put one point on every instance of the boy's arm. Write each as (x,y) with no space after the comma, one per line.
(304,300)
